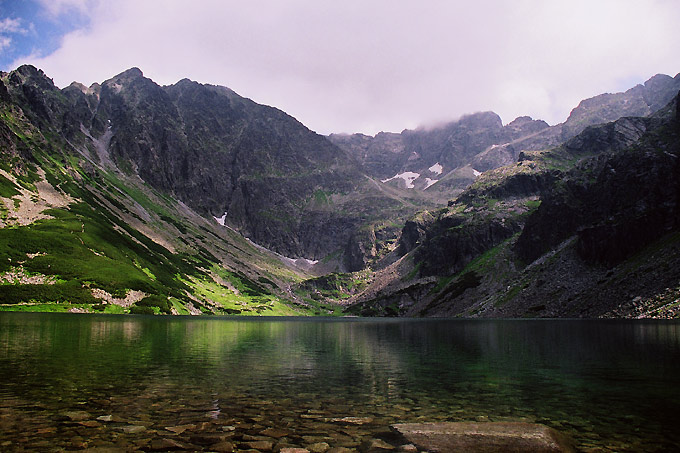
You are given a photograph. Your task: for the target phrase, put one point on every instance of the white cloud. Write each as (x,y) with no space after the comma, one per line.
(381,65)
(9,25)
(57,7)
(5,42)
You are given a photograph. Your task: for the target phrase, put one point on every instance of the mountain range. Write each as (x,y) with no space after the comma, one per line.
(128,196)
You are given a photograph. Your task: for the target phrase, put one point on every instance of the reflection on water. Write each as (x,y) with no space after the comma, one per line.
(135,382)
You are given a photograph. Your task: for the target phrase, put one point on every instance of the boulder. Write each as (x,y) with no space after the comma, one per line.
(506,437)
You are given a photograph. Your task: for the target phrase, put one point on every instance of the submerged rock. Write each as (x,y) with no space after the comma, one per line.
(352,420)
(165,444)
(377,445)
(180,428)
(260,445)
(319,447)
(223,447)
(487,437)
(133,429)
(77,416)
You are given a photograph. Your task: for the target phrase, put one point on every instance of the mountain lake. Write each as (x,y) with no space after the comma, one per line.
(125,383)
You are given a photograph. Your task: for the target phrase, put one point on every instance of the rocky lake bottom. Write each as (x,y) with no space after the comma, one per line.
(128,383)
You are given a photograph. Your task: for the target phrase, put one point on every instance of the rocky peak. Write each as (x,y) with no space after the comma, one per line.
(93,89)
(641,100)
(526,125)
(658,88)
(482,119)
(130,74)
(126,79)
(658,81)
(185,82)
(30,87)
(478,120)
(30,75)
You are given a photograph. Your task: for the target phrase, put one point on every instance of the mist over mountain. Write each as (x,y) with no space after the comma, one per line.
(447,158)
(201,200)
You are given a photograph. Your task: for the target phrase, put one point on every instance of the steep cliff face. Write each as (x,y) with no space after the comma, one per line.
(589,228)
(223,154)
(81,230)
(639,101)
(617,203)
(253,167)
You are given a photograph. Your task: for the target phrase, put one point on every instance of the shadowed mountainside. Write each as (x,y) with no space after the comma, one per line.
(586,229)
(128,196)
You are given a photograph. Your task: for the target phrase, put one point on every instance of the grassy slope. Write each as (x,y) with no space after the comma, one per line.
(114,233)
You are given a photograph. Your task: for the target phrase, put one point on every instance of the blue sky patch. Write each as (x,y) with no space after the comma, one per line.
(26,28)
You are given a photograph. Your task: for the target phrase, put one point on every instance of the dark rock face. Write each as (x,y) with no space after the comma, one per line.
(641,205)
(4,94)
(453,241)
(379,155)
(641,100)
(413,233)
(361,249)
(279,183)
(556,233)
(510,437)
(616,203)
(518,185)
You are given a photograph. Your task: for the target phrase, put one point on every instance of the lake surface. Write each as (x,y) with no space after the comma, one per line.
(132,382)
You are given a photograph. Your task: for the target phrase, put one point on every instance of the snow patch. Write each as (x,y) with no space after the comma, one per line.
(407,176)
(303,263)
(476,173)
(436,169)
(429,182)
(221,220)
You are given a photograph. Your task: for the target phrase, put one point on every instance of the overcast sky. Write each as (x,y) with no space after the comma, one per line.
(358,65)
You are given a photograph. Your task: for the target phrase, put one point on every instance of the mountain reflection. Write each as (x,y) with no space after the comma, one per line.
(593,379)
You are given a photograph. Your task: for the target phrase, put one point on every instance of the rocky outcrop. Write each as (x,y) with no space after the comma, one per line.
(489,437)
(639,101)
(617,202)
(521,184)
(454,240)
(361,249)
(589,228)
(413,233)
